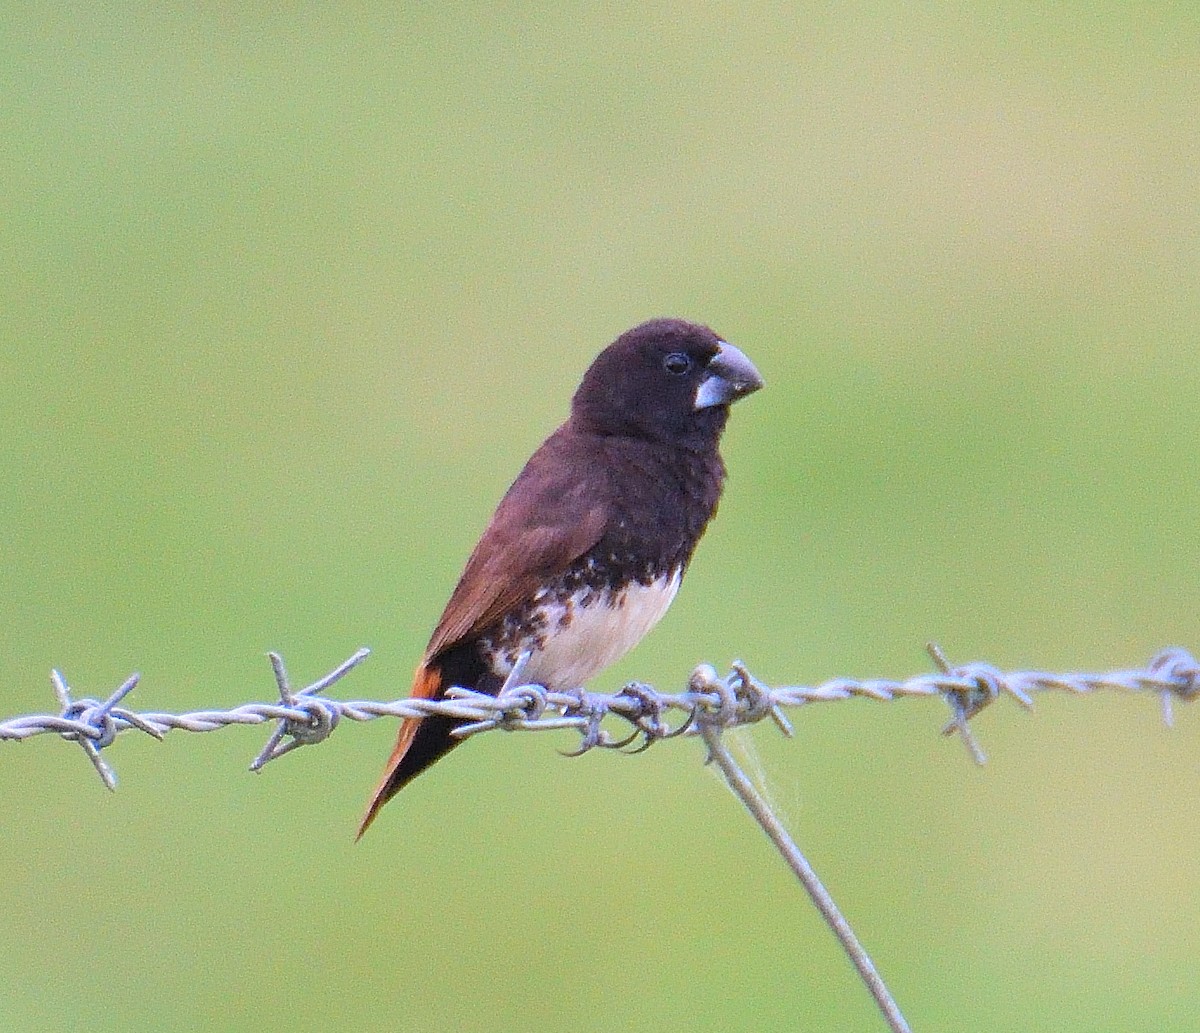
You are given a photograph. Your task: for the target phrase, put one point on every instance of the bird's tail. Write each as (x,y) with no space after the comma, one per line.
(420,742)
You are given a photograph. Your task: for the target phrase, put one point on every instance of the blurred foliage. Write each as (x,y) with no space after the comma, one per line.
(289,293)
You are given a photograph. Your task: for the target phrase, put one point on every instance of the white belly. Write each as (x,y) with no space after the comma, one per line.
(580,641)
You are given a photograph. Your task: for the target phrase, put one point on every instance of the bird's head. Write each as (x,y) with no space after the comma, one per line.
(666,378)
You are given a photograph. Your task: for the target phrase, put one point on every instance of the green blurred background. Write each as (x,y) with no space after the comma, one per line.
(287,297)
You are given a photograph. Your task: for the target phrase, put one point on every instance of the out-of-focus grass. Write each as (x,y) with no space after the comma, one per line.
(286,300)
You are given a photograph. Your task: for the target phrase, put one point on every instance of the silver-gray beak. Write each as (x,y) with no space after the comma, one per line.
(728,377)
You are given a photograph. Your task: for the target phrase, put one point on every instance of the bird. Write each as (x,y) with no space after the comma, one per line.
(586,550)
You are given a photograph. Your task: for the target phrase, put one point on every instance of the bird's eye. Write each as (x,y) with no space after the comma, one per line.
(677,364)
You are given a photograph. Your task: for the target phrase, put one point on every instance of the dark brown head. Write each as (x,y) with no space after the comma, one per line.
(665,379)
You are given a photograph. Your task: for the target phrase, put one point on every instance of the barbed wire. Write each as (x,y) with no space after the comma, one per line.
(307,716)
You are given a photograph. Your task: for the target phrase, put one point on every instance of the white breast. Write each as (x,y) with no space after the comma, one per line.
(581,640)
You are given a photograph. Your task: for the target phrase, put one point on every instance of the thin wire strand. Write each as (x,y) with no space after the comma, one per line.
(762,813)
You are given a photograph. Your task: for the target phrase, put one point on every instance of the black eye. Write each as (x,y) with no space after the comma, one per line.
(677,364)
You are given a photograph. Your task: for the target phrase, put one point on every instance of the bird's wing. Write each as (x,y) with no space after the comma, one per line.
(555,511)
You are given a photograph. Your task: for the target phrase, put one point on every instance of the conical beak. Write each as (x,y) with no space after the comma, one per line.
(728,377)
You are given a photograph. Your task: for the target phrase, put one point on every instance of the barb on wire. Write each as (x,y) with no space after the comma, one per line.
(307,716)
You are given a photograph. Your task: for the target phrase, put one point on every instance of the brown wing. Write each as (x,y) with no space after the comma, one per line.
(555,511)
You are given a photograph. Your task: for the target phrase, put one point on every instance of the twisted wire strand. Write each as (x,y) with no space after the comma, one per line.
(308,716)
